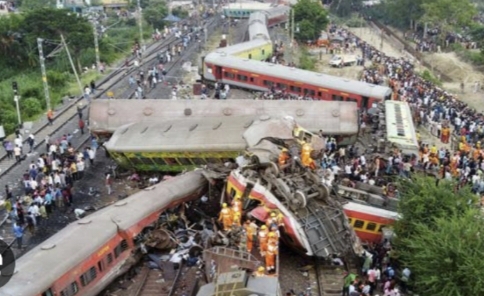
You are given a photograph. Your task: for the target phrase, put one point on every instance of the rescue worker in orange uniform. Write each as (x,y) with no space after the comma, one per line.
(263,239)
(261,271)
(226,217)
(283,158)
(280,220)
(273,236)
(272,220)
(270,257)
(236,218)
(237,204)
(306,159)
(249,231)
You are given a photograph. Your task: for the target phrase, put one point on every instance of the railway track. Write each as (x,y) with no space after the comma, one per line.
(154,282)
(69,113)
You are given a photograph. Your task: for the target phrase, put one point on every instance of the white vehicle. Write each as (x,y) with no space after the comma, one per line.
(343,60)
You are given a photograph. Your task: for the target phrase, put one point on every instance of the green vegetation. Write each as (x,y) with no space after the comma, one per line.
(311,18)
(19,57)
(445,14)
(439,237)
(155,13)
(426,75)
(306,61)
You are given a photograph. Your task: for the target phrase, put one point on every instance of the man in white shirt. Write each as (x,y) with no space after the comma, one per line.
(79,213)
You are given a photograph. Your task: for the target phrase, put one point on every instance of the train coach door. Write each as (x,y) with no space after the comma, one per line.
(364,102)
(218,72)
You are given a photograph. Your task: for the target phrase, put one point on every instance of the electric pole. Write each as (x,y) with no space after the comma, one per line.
(292,32)
(72,64)
(44,73)
(96,44)
(140,26)
(16,99)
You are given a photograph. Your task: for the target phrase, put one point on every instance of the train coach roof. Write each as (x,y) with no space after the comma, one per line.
(333,117)
(299,76)
(247,46)
(197,135)
(43,265)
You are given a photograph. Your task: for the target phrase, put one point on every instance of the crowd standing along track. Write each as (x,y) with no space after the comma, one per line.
(163,90)
(68,112)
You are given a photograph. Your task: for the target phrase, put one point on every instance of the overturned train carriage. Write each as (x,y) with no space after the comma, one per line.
(313,221)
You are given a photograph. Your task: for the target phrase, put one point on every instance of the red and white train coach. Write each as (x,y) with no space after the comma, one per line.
(87,255)
(261,76)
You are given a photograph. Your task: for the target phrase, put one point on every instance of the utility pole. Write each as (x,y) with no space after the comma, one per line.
(72,64)
(141,41)
(16,99)
(44,73)
(292,33)
(96,44)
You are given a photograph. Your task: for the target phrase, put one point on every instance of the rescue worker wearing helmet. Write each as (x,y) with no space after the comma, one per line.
(261,271)
(272,220)
(263,239)
(236,218)
(270,254)
(250,233)
(237,204)
(283,158)
(306,159)
(226,217)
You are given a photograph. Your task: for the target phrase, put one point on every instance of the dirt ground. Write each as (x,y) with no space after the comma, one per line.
(322,66)
(448,63)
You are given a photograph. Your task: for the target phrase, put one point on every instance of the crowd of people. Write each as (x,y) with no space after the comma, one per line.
(48,185)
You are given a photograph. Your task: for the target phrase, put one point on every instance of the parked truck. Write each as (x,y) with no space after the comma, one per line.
(343,60)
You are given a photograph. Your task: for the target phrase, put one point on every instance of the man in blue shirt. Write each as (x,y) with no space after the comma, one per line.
(18,231)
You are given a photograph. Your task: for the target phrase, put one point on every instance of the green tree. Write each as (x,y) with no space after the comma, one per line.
(30,107)
(36,4)
(342,8)
(50,23)
(155,13)
(180,12)
(448,14)
(311,18)
(402,13)
(447,258)
(422,201)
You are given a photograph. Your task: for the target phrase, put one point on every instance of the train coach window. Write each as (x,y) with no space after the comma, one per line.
(198,161)
(123,245)
(268,83)
(295,89)
(184,161)
(229,75)
(350,220)
(309,92)
(145,160)
(351,100)
(251,79)
(337,98)
(71,290)
(281,86)
(359,223)
(48,293)
(159,161)
(170,161)
(213,160)
(135,161)
(88,276)
(100,265)
(241,77)
(110,258)
(371,226)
